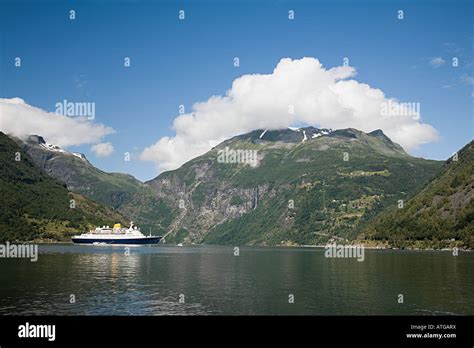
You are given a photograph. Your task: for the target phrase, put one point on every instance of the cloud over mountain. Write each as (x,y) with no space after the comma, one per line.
(20,119)
(102,149)
(299,91)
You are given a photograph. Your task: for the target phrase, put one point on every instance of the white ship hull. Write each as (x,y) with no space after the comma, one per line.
(106,235)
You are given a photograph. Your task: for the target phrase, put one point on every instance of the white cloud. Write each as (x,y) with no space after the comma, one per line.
(102,149)
(321,97)
(437,62)
(20,119)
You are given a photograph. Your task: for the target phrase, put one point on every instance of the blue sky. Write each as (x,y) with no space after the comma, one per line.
(177,62)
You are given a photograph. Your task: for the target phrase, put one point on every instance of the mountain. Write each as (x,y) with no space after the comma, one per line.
(73,169)
(287,186)
(441,214)
(119,191)
(278,187)
(34,205)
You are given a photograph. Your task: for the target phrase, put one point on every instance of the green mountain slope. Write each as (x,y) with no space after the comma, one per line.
(309,185)
(440,215)
(74,170)
(119,191)
(34,205)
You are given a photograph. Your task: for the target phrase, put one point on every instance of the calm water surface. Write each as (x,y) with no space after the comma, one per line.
(150,280)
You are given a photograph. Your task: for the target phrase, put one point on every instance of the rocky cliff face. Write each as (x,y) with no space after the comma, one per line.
(203,203)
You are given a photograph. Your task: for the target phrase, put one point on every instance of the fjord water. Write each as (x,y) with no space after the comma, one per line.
(149,281)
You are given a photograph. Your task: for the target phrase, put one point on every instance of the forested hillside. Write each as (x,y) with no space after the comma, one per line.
(33,205)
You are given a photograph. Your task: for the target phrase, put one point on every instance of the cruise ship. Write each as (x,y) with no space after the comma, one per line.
(116,235)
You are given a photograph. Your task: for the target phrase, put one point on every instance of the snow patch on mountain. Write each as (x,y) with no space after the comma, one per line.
(79,155)
(52,147)
(321,132)
(39,140)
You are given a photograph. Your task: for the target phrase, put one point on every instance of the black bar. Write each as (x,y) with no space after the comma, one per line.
(289,330)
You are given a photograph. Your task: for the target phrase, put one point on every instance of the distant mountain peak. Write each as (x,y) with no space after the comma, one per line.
(77,173)
(377,133)
(38,140)
(286,135)
(295,129)
(80,155)
(348,133)
(377,140)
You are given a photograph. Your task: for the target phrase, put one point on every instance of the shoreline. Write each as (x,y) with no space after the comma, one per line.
(308,246)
